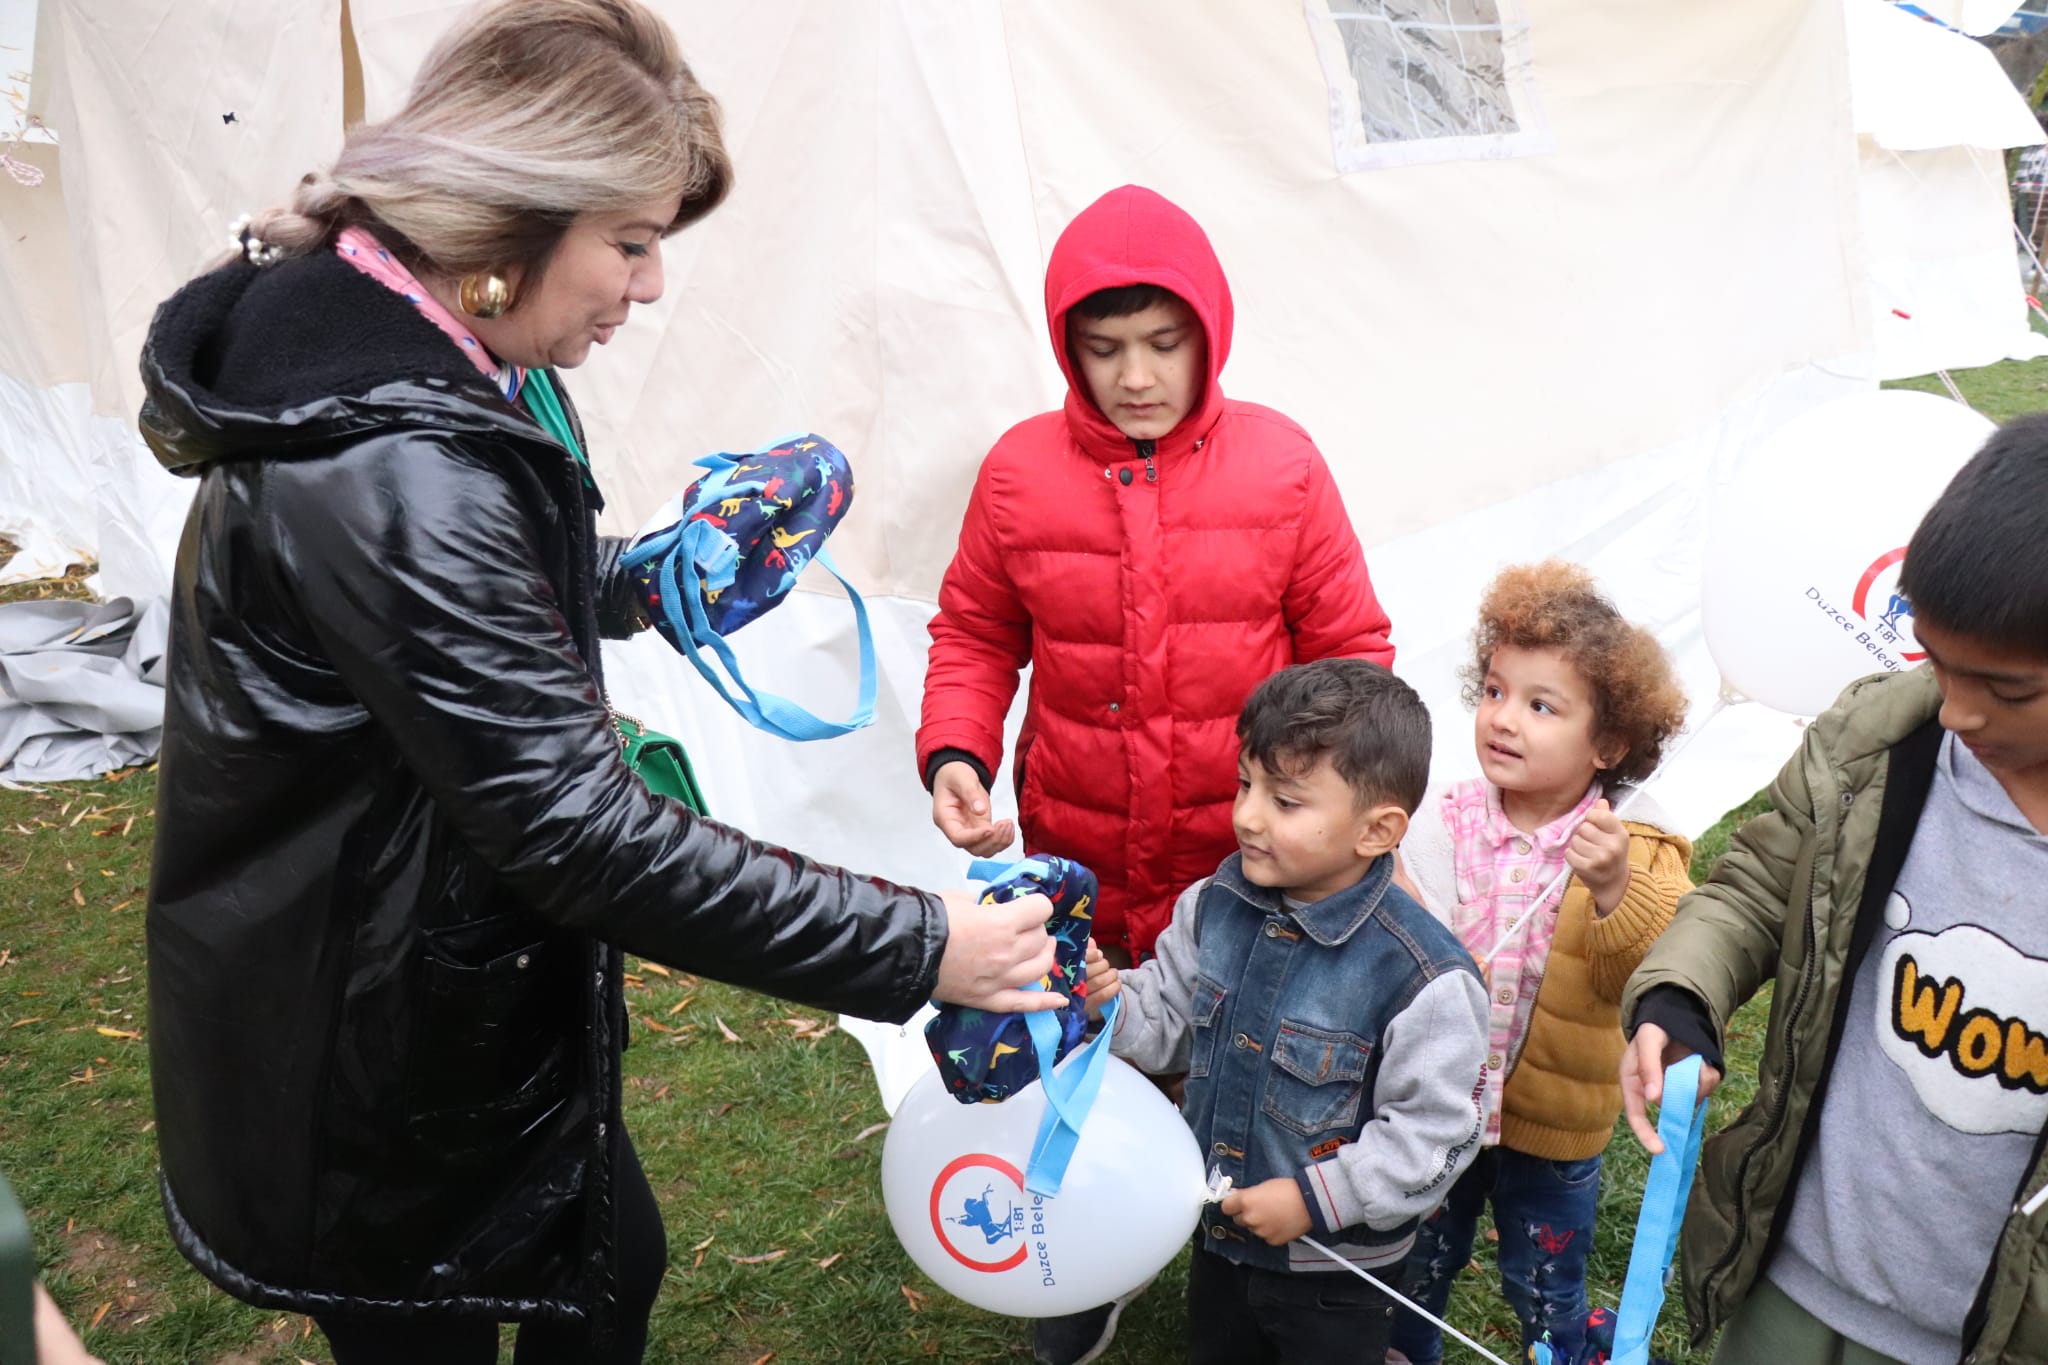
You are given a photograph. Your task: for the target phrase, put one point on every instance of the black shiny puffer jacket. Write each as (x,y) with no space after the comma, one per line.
(398,853)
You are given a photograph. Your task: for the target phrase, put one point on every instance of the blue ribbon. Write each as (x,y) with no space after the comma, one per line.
(1681,1123)
(713,552)
(1070,1092)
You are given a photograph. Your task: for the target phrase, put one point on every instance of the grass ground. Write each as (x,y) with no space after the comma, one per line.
(763,1149)
(759,1146)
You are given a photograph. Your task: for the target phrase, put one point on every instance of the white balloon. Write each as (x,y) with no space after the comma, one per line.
(1799,583)
(953,1182)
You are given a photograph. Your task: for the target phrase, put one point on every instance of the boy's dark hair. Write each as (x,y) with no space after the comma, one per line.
(1122,301)
(1372,725)
(1637,701)
(1978,564)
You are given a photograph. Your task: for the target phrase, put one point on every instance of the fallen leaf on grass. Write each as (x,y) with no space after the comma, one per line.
(106,1032)
(862,1136)
(24,1023)
(677,1008)
(77,896)
(913,1298)
(655,1024)
(765,1359)
(730,1036)
(104,1308)
(705,1243)
(662,1093)
(827,1263)
(122,906)
(656,968)
(721,1110)
(762,1259)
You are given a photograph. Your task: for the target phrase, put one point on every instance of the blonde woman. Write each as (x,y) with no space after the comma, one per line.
(399,854)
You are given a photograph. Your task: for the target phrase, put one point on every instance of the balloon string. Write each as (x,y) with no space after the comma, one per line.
(1398,1297)
(1219,1185)
(1721,704)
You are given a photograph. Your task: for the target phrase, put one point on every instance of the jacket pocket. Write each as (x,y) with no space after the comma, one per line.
(1316,1078)
(496,1021)
(1203,1012)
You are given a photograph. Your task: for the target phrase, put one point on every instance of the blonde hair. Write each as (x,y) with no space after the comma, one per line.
(524,116)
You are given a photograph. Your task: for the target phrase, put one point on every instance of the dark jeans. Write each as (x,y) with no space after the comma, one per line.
(643,1260)
(1240,1315)
(1544,1211)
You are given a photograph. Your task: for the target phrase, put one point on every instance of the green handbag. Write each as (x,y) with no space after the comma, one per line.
(661,762)
(658,760)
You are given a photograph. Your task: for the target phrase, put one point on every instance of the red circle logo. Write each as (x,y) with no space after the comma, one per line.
(977,1209)
(1880,585)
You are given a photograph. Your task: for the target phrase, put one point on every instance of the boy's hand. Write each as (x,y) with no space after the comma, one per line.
(1271,1211)
(1103,981)
(1642,1080)
(1598,852)
(992,951)
(960,810)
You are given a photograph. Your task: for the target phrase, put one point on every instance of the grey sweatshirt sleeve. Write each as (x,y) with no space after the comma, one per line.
(1426,1128)
(1154,1032)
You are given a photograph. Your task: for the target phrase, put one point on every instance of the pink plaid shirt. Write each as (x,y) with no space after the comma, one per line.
(1500,870)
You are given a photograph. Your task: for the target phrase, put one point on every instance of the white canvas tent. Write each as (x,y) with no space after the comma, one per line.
(1533,304)
(1933,116)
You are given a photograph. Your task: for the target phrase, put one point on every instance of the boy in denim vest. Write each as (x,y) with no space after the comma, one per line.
(1333,1032)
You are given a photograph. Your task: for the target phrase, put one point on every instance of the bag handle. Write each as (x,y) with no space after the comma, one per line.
(713,552)
(1069,1092)
(1682,1123)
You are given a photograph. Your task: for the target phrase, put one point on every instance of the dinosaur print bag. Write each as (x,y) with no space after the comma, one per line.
(985,1058)
(729,548)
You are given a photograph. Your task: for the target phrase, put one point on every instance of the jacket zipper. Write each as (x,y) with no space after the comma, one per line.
(1145,448)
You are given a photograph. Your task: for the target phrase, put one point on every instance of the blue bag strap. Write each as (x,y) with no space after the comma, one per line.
(1681,1123)
(764,710)
(1069,1095)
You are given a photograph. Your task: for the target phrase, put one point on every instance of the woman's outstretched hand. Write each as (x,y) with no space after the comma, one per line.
(992,951)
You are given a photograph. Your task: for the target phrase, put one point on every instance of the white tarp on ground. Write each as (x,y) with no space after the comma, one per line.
(1934,115)
(81,687)
(1550,348)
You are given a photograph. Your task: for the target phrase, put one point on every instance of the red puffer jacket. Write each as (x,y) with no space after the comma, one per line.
(1151,584)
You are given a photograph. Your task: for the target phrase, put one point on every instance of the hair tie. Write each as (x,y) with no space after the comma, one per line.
(253,248)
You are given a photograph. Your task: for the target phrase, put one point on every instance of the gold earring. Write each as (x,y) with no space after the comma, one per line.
(484,296)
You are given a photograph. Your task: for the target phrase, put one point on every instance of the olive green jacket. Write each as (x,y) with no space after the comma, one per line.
(1783,906)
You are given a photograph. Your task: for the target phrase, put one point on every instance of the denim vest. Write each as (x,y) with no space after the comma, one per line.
(1289,1009)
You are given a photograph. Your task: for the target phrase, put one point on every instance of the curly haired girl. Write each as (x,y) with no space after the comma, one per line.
(1573,702)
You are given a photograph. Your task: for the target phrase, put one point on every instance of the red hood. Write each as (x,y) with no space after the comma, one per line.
(1134,236)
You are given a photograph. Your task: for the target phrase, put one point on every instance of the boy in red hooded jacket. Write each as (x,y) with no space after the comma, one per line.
(1155,550)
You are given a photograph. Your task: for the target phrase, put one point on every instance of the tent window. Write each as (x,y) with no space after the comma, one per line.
(1427,80)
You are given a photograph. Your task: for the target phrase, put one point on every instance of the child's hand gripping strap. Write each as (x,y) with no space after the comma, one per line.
(1681,1123)
(715,556)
